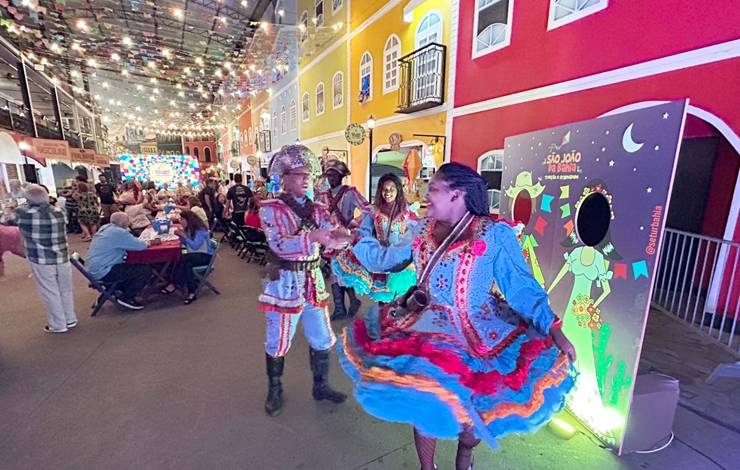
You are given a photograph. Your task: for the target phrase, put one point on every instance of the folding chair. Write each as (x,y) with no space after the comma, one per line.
(256,244)
(202,273)
(107,290)
(235,236)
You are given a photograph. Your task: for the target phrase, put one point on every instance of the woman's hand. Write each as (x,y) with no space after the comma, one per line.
(563,343)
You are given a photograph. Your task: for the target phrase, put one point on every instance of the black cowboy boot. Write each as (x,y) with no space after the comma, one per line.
(354,302)
(340,311)
(274,401)
(320,369)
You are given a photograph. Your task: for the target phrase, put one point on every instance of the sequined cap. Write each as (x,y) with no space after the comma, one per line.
(291,157)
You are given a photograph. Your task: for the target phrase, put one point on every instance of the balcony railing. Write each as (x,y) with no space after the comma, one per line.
(422,79)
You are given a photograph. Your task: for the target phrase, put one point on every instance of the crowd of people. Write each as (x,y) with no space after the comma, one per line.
(451,360)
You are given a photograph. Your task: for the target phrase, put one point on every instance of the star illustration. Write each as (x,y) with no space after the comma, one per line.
(598,159)
(607,132)
(657,147)
(649,189)
(634,169)
(665,115)
(642,227)
(611,163)
(603,149)
(593,142)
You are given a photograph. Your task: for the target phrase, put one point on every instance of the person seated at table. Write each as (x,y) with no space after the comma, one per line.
(150,202)
(195,237)
(252,216)
(136,211)
(193,204)
(105,260)
(164,194)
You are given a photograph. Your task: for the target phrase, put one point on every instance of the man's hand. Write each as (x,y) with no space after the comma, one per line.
(563,343)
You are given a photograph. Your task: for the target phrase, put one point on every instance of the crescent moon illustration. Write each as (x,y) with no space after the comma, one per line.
(628,142)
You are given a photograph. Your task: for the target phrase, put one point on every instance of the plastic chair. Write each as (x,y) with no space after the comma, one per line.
(255,243)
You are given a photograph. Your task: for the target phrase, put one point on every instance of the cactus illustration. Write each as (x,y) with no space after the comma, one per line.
(619,383)
(602,359)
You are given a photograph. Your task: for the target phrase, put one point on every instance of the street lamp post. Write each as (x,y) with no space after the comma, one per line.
(370,127)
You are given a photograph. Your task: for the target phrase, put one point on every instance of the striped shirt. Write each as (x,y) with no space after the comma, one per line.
(44,233)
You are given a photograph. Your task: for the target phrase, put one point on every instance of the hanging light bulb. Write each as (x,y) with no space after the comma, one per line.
(81,24)
(115,57)
(178,13)
(181,94)
(105,85)
(153,80)
(140,87)
(151,64)
(55,47)
(92,62)
(124,72)
(167,53)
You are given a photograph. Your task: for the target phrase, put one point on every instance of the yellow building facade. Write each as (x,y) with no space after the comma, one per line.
(323,103)
(408,97)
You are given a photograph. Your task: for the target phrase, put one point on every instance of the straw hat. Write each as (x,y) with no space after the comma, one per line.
(524,183)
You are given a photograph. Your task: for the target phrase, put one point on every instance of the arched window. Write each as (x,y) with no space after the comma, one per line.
(196,152)
(491,167)
(283,120)
(293,115)
(187,150)
(563,12)
(320,98)
(337,91)
(492,25)
(429,30)
(303,26)
(207,154)
(319,10)
(391,54)
(366,77)
(305,107)
(336,5)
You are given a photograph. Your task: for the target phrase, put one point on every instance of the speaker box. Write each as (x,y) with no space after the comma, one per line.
(651,415)
(29,173)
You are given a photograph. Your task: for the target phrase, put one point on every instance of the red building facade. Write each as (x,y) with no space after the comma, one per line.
(523,66)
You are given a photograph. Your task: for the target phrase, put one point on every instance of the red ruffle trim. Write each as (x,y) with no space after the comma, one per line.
(486,383)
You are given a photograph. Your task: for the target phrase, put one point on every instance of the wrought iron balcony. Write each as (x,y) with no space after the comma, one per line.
(422,84)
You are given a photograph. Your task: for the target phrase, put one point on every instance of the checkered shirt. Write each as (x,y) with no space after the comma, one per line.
(44,233)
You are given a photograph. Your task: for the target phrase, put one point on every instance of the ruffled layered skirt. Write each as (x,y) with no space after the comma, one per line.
(432,381)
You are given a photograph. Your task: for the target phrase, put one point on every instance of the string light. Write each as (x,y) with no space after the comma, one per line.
(81,24)
(127,41)
(92,62)
(178,13)
(115,57)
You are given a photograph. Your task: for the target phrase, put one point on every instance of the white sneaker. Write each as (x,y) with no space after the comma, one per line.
(48,329)
(71,324)
(129,304)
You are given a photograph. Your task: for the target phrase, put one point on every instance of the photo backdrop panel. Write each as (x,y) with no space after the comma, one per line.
(161,169)
(593,196)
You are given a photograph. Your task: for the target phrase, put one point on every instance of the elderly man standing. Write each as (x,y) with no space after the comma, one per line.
(45,237)
(105,260)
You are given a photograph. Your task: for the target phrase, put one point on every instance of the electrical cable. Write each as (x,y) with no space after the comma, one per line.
(654,450)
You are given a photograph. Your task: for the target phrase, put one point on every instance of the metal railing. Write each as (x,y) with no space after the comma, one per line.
(698,281)
(422,84)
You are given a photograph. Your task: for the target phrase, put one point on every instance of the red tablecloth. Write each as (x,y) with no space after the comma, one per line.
(164,253)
